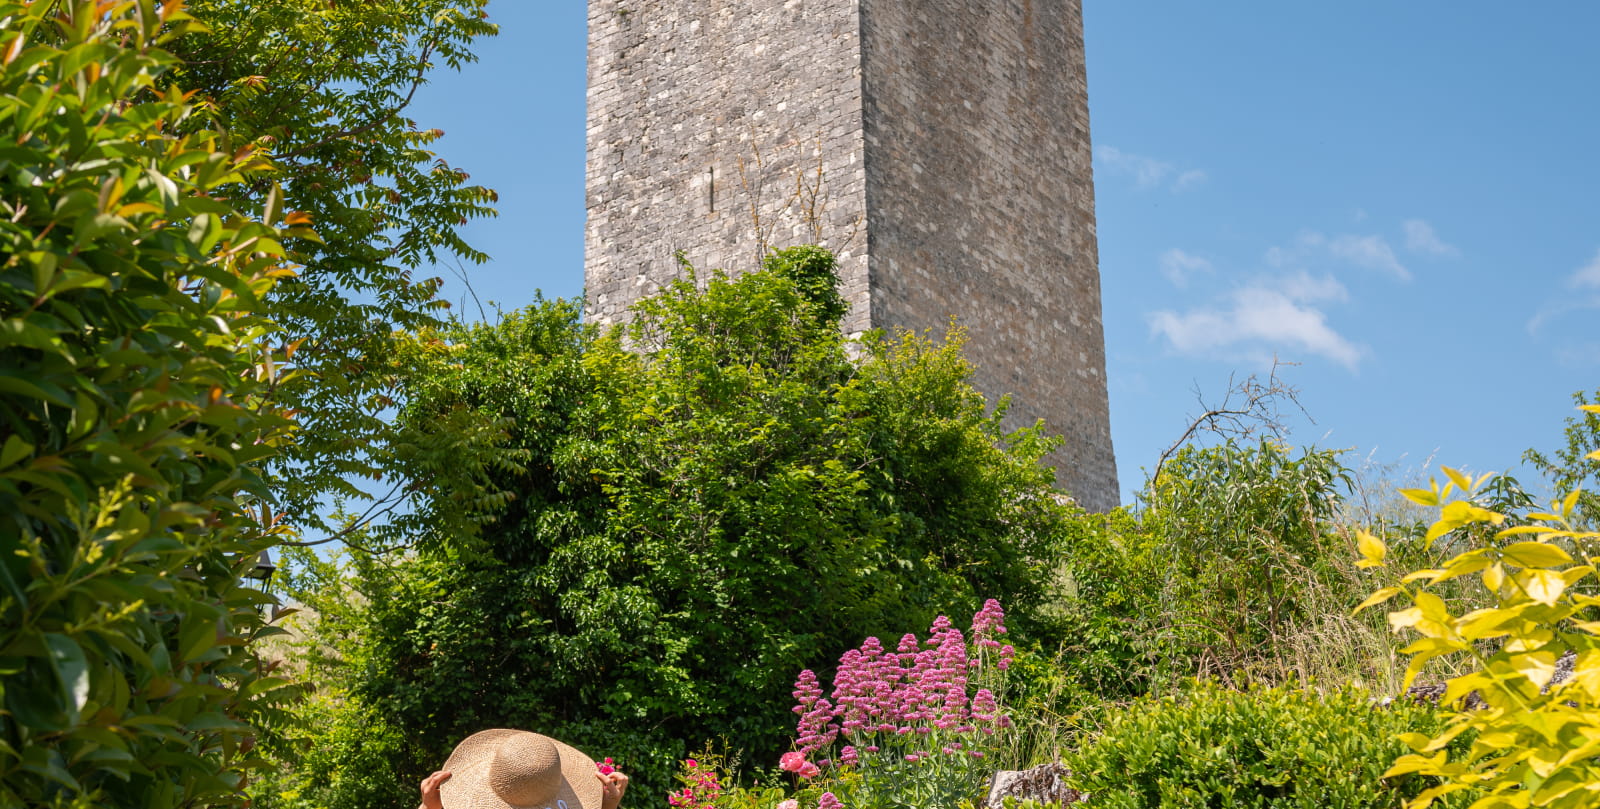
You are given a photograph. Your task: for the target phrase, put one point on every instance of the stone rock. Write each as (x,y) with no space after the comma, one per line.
(1433,692)
(1046,784)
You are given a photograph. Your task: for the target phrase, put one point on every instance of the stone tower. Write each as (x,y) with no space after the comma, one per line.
(939,147)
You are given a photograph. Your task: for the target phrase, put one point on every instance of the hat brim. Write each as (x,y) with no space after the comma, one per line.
(468,785)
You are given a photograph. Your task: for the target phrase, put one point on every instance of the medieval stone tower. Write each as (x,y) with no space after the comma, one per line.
(939,147)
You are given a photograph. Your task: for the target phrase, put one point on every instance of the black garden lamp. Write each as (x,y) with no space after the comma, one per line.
(263,570)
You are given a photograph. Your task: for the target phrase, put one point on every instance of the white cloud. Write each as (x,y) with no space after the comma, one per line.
(1302,287)
(1270,315)
(1371,252)
(1295,255)
(1148,172)
(1420,238)
(1588,275)
(1584,279)
(1179,266)
(1188,180)
(1581,355)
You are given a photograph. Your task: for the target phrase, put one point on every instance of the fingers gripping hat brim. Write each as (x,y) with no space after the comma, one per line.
(470,787)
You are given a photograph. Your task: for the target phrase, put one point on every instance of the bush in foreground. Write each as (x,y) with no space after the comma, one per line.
(1265,748)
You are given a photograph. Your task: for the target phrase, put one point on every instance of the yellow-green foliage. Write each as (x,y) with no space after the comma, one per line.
(1536,744)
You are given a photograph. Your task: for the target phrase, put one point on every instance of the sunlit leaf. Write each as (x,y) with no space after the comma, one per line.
(1371,548)
(1421,497)
(1380,597)
(1543,586)
(1535,554)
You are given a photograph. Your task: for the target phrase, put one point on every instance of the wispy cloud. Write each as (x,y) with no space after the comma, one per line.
(1371,252)
(1303,287)
(1587,276)
(1420,238)
(1270,315)
(1188,180)
(1586,280)
(1148,172)
(1580,355)
(1179,267)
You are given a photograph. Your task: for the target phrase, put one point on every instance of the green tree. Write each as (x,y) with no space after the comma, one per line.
(1573,467)
(697,507)
(136,413)
(322,89)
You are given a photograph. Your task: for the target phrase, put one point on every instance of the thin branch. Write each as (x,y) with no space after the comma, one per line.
(1247,407)
(460,272)
(358,523)
(422,71)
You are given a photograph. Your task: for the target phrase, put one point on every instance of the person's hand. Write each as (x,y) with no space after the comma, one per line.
(612,785)
(430,790)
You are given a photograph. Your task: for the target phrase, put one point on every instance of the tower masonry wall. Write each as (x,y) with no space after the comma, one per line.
(718,128)
(980,206)
(939,147)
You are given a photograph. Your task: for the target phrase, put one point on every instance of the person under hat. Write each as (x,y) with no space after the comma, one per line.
(516,769)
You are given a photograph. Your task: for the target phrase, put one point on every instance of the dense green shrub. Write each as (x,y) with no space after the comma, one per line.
(684,515)
(1243,526)
(1232,555)
(136,416)
(1262,748)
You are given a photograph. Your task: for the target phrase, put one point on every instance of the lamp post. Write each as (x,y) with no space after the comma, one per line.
(263,570)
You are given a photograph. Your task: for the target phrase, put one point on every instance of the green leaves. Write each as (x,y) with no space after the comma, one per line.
(71,668)
(640,545)
(123,489)
(1534,742)
(1261,748)
(320,92)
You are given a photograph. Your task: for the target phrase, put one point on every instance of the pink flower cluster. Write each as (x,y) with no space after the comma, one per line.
(606,767)
(914,692)
(701,786)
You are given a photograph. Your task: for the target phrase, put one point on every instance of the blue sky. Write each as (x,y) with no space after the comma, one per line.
(1399,197)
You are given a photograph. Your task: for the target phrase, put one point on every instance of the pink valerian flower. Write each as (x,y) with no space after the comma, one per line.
(983,706)
(809,770)
(848,756)
(806,691)
(1007,652)
(789,804)
(791,762)
(828,801)
(909,644)
(989,621)
(912,692)
(855,689)
(817,728)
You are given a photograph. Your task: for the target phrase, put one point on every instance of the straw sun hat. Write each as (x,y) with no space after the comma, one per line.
(515,769)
